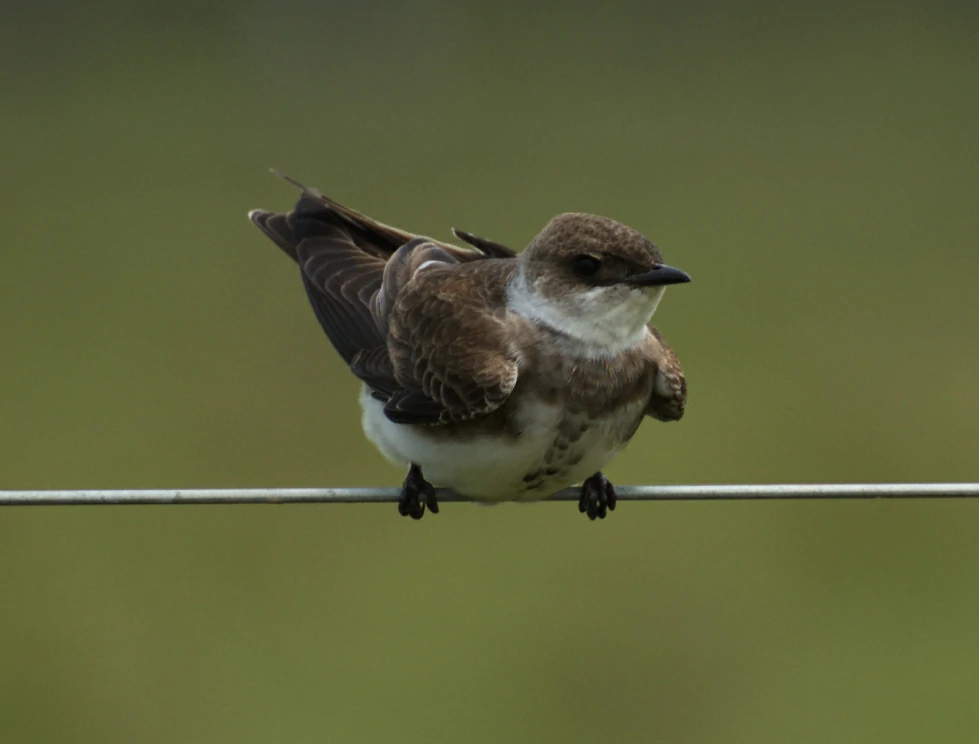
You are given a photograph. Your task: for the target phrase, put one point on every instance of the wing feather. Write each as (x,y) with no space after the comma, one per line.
(452,358)
(669,396)
(393,317)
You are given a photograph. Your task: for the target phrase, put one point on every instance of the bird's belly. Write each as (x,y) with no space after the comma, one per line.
(555,449)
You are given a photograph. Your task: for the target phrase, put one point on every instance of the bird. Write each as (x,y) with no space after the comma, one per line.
(502,376)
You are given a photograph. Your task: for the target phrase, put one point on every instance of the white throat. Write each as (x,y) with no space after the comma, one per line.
(603,320)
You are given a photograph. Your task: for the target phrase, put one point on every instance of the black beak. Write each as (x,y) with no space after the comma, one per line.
(657,276)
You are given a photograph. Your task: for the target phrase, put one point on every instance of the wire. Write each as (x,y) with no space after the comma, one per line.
(382,495)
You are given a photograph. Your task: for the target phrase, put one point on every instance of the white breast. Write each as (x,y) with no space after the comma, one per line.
(603,320)
(499,469)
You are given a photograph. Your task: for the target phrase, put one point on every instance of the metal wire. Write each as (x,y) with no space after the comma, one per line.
(381,495)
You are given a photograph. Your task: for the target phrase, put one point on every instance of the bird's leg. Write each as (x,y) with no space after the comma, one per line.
(597,497)
(416,494)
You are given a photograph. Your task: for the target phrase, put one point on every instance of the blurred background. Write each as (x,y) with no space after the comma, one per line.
(815,169)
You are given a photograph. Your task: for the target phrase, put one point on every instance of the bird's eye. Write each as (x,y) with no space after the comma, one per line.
(586,266)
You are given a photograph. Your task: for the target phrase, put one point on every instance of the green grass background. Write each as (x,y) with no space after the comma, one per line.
(815,168)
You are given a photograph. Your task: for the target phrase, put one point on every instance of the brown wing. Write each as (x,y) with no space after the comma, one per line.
(669,396)
(489,247)
(353,268)
(451,357)
(371,236)
(342,270)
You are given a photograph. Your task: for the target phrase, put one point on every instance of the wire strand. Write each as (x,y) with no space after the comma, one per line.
(387,495)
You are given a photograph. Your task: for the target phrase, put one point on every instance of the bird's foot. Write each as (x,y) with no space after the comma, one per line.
(416,494)
(597,497)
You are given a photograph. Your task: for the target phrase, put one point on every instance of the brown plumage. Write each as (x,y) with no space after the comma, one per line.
(449,340)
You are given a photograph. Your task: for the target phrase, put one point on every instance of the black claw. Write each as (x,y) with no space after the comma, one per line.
(416,494)
(430,501)
(597,497)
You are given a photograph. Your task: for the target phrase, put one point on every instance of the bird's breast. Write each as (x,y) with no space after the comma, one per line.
(536,447)
(570,443)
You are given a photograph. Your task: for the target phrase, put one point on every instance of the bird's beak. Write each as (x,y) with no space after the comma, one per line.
(657,276)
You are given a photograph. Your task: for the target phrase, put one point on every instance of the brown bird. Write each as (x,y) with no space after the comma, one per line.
(502,376)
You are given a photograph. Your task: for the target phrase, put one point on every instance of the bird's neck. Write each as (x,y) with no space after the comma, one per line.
(595,323)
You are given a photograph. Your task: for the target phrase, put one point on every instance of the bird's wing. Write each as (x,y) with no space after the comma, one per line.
(489,247)
(452,358)
(669,396)
(353,267)
(371,236)
(340,271)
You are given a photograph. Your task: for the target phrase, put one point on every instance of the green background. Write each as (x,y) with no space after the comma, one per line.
(814,168)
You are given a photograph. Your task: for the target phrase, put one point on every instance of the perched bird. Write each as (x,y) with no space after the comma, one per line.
(502,376)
